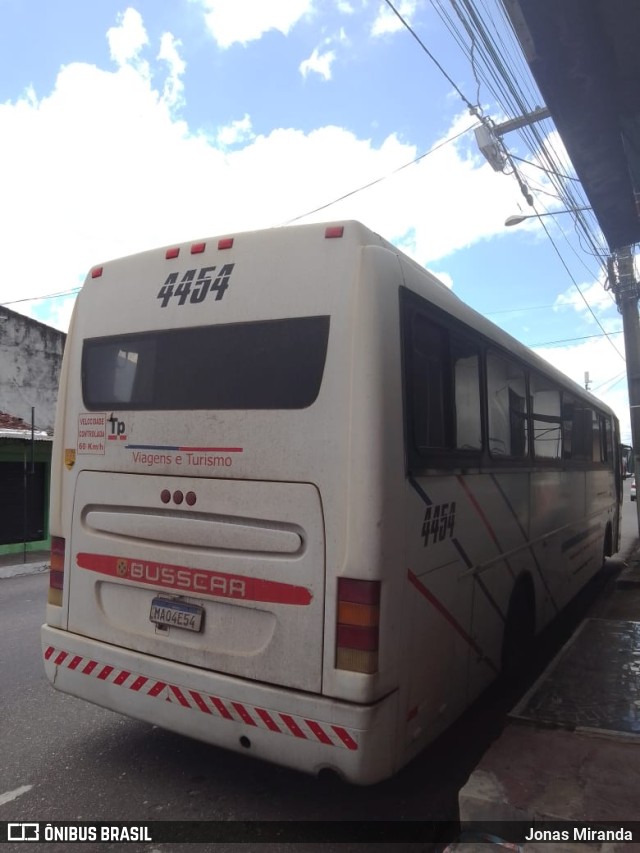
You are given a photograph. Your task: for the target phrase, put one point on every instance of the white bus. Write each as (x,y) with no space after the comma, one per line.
(306,504)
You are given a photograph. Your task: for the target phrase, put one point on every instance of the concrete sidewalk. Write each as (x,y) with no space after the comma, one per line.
(571,748)
(31,563)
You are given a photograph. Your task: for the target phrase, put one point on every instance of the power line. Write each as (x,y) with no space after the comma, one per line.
(571,340)
(383,177)
(546,171)
(46,296)
(577,287)
(473,109)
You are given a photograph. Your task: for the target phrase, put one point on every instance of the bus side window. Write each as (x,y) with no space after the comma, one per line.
(577,422)
(546,416)
(444,383)
(428,383)
(607,439)
(507,398)
(467,407)
(597,438)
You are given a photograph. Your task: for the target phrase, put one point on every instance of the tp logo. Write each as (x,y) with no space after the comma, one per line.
(118,429)
(23,832)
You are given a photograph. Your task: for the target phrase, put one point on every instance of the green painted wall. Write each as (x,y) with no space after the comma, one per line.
(18,452)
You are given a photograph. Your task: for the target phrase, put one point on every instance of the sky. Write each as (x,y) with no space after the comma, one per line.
(130,125)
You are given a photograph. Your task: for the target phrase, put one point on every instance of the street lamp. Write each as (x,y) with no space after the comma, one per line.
(520,217)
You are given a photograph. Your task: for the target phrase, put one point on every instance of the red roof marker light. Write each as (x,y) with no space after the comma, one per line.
(172,253)
(198,248)
(334,231)
(96,272)
(225,243)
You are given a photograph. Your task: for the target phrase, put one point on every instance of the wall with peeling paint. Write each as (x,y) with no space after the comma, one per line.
(30,362)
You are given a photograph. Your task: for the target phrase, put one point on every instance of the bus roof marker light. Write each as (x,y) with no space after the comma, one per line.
(225,243)
(198,248)
(172,253)
(333,231)
(96,272)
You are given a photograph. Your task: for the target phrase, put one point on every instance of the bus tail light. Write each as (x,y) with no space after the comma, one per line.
(358,625)
(56,571)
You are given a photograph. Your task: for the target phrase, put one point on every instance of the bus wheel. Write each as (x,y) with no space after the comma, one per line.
(519,630)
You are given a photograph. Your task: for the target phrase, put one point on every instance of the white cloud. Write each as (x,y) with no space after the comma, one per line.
(388,22)
(231,21)
(237,132)
(322,58)
(586,296)
(318,63)
(128,38)
(173,87)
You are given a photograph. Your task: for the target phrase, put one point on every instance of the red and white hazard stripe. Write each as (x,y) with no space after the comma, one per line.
(194,700)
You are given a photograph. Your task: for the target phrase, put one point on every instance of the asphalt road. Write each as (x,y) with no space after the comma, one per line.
(64,759)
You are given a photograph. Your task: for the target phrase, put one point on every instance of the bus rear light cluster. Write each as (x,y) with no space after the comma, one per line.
(358,625)
(56,570)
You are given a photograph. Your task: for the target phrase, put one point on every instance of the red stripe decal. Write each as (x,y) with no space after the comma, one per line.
(345,737)
(197,698)
(221,708)
(244,714)
(197,581)
(293,727)
(319,732)
(267,719)
(179,696)
(422,589)
(483,517)
(105,672)
(212,449)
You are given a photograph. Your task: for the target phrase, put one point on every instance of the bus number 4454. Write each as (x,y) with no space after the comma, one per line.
(439,521)
(195,286)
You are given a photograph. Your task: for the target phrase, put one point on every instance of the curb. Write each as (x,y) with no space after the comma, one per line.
(629,577)
(23,569)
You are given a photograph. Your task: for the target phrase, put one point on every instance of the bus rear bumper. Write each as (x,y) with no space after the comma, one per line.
(298,730)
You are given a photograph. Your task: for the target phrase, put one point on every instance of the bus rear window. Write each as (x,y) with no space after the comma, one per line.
(271,364)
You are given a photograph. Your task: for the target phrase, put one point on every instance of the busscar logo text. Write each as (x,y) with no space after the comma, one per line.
(194,287)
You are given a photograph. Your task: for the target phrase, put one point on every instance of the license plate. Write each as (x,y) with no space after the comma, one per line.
(176,614)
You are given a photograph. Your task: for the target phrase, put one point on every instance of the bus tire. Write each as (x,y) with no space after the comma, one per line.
(519,629)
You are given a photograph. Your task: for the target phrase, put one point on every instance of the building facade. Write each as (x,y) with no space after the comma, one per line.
(30,362)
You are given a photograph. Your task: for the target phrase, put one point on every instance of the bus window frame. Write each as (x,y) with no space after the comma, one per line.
(420,461)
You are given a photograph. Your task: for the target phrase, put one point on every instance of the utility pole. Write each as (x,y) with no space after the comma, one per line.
(626,290)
